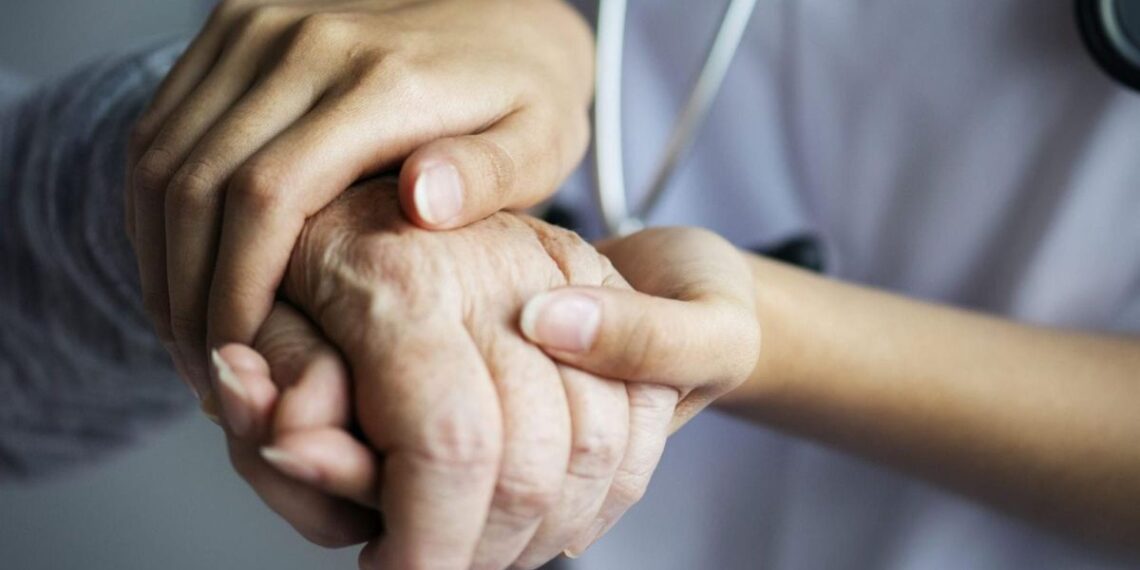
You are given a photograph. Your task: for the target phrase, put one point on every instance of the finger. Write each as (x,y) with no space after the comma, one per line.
(537,439)
(600,414)
(192,66)
(637,337)
(453,182)
(320,397)
(186,73)
(310,374)
(266,205)
(319,517)
(217,92)
(435,417)
(330,460)
(309,438)
(195,196)
(245,391)
(651,410)
(287,181)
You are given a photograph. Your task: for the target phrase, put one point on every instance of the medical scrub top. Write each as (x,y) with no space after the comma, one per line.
(965,152)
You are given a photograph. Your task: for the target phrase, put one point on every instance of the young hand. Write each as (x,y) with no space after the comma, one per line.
(277,107)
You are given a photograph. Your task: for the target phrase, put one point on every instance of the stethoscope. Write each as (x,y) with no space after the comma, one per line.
(1110,29)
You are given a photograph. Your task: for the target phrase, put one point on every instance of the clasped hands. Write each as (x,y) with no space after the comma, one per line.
(485,397)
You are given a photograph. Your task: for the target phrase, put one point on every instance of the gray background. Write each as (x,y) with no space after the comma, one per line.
(173,502)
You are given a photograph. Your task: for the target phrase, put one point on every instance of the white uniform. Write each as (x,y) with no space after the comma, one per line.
(967,152)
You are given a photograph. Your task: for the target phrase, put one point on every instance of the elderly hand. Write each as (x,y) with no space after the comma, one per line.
(278,106)
(697,335)
(493,455)
(294,390)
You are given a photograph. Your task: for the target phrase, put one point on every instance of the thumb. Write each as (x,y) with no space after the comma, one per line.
(517,163)
(632,336)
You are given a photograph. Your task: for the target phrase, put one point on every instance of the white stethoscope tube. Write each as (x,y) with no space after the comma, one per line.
(613,200)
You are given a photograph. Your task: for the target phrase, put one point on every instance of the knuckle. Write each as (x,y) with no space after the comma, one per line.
(142,133)
(285,337)
(258,189)
(643,347)
(596,454)
(577,260)
(315,33)
(393,74)
(192,189)
(152,170)
(497,166)
(652,399)
(526,496)
(448,441)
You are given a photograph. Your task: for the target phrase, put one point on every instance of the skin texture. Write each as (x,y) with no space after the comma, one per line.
(278,106)
(493,454)
(467,413)
(259,127)
(576,451)
(1035,421)
(1039,422)
(294,387)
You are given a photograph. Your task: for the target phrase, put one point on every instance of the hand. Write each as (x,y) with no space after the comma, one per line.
(289,395)
(687,264)
(690,321)
(277,107)
(493,455)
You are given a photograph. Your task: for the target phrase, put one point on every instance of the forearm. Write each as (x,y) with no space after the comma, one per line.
(80,370)
(1044,423)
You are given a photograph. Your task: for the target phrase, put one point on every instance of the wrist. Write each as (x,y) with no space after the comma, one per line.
(780,289)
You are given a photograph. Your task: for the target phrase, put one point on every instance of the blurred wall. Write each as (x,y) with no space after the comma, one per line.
(173,502)
(42,38)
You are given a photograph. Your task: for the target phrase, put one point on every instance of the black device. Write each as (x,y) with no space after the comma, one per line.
(1111,31)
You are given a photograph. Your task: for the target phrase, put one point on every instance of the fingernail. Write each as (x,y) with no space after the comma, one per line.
(288,464)
(562,321)
(236,414)
(438,195)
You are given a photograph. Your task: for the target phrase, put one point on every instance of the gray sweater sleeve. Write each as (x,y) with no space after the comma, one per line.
(81,372)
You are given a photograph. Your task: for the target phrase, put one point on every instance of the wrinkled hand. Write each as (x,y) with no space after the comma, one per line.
(291,390)
(695,334)
(278,106)
(492,454)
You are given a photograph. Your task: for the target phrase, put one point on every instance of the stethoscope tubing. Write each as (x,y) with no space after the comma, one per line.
(1102,23)
(613,199)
